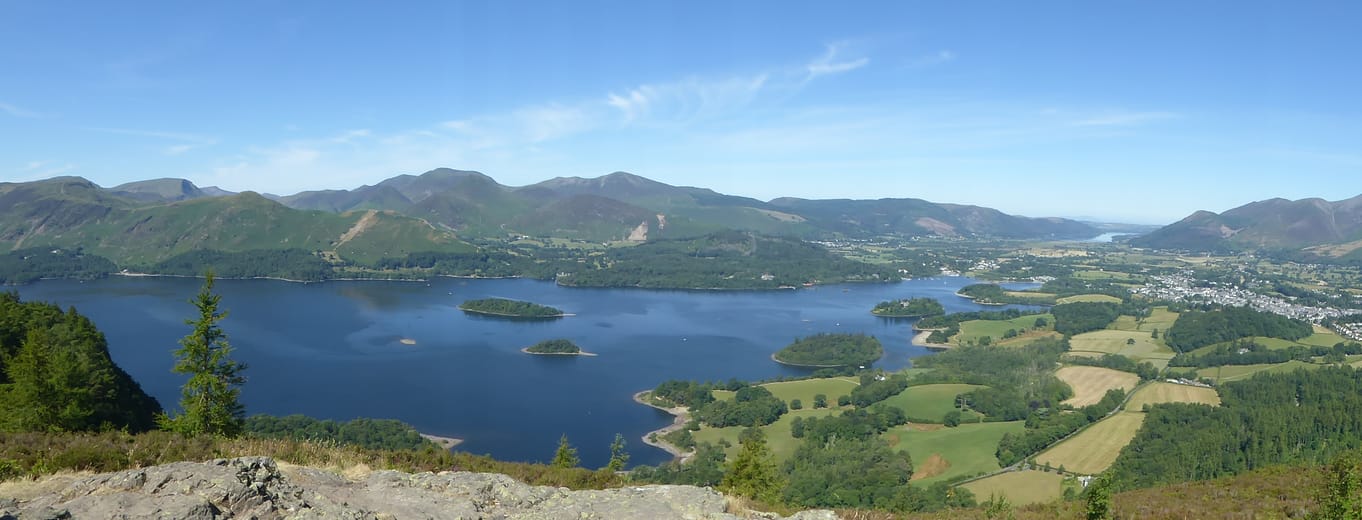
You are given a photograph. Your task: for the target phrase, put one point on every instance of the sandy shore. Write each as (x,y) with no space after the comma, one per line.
(920,340)
(444,442)
(681,414)
(578,353)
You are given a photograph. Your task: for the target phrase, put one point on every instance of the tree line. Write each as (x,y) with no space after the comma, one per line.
(1198,328)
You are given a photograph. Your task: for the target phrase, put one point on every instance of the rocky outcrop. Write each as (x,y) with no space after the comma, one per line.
(255,487)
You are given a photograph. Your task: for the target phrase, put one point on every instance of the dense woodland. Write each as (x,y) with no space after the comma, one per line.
(378,434)
(1301,416)
(1198,328)
(290,264)
(30,265)
(994,294)
(512,308)
(56,374)
(1248,352)
(554,346)
(1080,317)
(831,350)
(910,308)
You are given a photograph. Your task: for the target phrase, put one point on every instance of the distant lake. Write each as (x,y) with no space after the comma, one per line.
(332,350)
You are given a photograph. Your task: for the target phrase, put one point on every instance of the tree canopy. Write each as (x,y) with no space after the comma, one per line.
(831,350)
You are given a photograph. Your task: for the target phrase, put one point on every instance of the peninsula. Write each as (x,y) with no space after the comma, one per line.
(910,308)
(510,309)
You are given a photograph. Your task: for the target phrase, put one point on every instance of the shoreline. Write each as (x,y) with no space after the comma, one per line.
(920,340)
(517,316)
(447,443)
(578,353)
(680,415)
(788,364)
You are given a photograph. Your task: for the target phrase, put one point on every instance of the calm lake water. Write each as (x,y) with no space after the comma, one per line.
(332,350)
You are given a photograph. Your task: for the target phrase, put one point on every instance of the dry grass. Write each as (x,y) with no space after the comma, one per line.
(1090,384)
(1020,487)
(1162,392)
(1094,450)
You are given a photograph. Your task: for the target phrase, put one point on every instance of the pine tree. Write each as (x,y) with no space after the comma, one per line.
(753,473)
(566,456)
(209,400)
(618,457)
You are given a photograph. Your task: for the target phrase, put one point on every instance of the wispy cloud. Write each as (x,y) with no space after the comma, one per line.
(832,62)
(17,111)
(34,170)
(185,142)
(935,58)
(1124,118)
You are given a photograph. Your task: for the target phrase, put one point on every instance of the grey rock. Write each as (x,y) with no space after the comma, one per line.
(254,487)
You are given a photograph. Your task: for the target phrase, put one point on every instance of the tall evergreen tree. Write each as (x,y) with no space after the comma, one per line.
(209,400)
(618,457)
(566,456)
(753,473)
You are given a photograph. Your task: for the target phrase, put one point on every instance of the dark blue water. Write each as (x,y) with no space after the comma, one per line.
(332,350)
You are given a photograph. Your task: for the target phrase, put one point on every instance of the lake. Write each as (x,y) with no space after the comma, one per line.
(332,350)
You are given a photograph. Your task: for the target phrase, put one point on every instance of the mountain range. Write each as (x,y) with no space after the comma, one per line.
(1328,229)
(149,221)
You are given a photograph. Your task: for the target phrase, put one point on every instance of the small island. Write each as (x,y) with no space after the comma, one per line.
(910,308)
(510,309)
(555,347)
(831,350)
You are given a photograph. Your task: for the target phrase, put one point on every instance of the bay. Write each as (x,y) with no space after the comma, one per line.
(333,350)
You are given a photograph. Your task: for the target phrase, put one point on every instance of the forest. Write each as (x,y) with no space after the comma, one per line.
(554,346)
(509,308)
(831,350)
(378,434)
(910,308)
(1300,416)
(1198,328)
(33,264)
(291,264)
(1080,317)
(56,374)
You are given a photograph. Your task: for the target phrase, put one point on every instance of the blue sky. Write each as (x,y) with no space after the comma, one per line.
(1127,111)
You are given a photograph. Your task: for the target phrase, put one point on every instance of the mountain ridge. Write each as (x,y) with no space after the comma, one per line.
(1310,224)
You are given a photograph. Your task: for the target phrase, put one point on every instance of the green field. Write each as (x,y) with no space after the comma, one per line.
(777,434)
(946,453)
(931,402)
(1100,298)
(1109,341)
(1321,338)
(1159,318)
(1163,392)
(1237,372)
(1093,450)
(1020,487)
(805,389)
(975,329)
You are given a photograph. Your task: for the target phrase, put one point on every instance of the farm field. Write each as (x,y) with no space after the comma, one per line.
(1089,298)
(945,453)
(1094,450)
(1020,487)
(1159,318)
(1164,392)
(1109,341)
(931,402)
(778,436)
(1090,384)
(1318,339)
(1237,372)
(805,389)
(975,329)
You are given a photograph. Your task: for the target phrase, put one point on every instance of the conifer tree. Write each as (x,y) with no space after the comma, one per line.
(209,400)
(618,457)
(753,473)
(566,456)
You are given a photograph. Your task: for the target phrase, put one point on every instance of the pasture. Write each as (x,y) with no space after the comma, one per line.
(1094,450)
(1020,487)
(805,389)
(1159,318)
(778,436)
(1164,392)
(1091,383)
(1136,345)
(931,402)
(1237,372)
(945,453)
(995,329)
(1098,298)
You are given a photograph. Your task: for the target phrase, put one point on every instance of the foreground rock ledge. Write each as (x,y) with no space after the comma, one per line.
(254,487)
